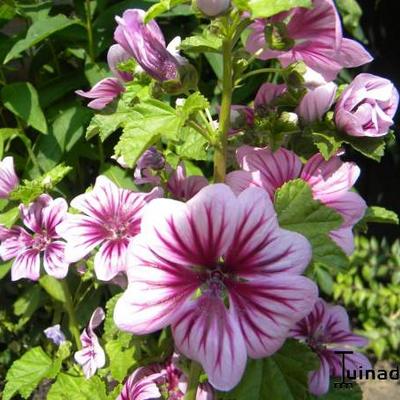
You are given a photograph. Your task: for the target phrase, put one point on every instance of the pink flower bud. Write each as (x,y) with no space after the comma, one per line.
(213,7)
(367,106)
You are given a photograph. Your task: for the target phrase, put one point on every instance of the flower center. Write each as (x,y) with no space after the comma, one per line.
(116,229)
(41,240)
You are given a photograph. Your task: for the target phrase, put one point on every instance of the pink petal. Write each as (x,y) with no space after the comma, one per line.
(116,55)
(241,180)
(8,177)
(197,233)
(32,215)
(353,54)
(96,319)
(318,381)
(351,206)
(157,290)
(111,259)
(206,332)
(268,307)
(53,260)
(259,246)
(329,179)
(14,241)
(344,238)
(82,234)
(26,265)
(267,93)
(274,168)
(53,214)
(317,102)
(103,93)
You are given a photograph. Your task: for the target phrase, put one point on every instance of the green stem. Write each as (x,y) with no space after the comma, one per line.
(256,72)
(89,30)
(101,154)
(69,308)
(194,375)
(225,114)
(203,132)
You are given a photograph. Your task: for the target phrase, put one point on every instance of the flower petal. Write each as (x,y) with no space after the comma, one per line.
(353,54)
(111,259)
(53,260)
(318,381)
(26,265)
(157,290)
(32,216)
(268,307)
(206,332)
(53,214)
(195,233)
(344,238)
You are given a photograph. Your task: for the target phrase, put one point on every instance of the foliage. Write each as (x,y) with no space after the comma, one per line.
(370,288)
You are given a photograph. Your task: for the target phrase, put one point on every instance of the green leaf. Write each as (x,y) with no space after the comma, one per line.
(27,304)
(110,329)
(160,8)
(22,99)
(327,144)
(38,31)
(121,356)
(299,212)
(370,147)
(204,42)
(68,387)
(66,130)
(28,191)
(377,215)
(194,146)
(268,8)
(53,287)
(194,103)
(351,13)
(27,372)
(283,376)
(10,217)
(120,176)
(5,267)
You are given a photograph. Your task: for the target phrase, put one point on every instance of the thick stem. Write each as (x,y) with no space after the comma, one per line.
(69,308)
(225,114)
(194,375)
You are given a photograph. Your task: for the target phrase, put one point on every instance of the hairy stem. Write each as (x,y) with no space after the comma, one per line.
(194,375)
(89,31)
(225,114)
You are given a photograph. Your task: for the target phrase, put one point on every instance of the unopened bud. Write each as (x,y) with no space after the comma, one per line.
(212,8)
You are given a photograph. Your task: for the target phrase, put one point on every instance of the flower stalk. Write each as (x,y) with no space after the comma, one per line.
(193,383)
(227,89)
(69,308)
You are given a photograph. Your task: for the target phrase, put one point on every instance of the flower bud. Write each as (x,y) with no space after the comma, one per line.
(213,8)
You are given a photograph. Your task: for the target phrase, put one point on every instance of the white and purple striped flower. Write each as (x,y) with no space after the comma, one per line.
(8,178)
(55,334)
(161,381)
(92,356)
(221,272)
(41,218)
(111,218)
(146,43)
(330,181)
(326,330)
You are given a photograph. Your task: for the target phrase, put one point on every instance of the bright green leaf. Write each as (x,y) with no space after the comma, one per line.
(68,387)
(53,287)
(10,217)
(194,146)
(22,99)
(160,8)
(38,31)
(204,42)
(268,8)
(27,372)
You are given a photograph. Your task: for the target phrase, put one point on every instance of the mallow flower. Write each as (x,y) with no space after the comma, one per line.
(161,381)
(91,357)
(367,106)
(8,178)
(183,187)
(326,330)
(222,273)
(310,35)
(110,218)
(26,246)
(330,182)
(146,43)
(106,90)
(55,334)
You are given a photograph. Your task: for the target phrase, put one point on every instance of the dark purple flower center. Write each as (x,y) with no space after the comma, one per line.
(116,230)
